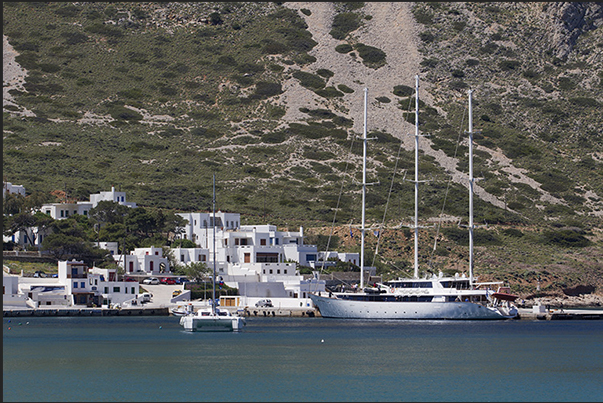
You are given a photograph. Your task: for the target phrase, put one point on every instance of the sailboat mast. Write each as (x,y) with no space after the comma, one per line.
(471,180)
(364,139)
(416,273)
(213,288)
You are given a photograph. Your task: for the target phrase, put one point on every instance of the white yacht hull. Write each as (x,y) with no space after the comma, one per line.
(348,309)
(195,323)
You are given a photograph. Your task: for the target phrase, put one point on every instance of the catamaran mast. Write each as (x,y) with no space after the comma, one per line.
(364,139)
(213,288)
(416,273)
(471,180)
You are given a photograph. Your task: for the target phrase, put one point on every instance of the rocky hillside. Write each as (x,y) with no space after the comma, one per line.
(154,98)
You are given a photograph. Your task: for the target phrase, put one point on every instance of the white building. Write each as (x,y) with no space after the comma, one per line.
(15,189)
(144,261)
(60,211)
(201,224)
(259,260)
(78,285)
(11,295)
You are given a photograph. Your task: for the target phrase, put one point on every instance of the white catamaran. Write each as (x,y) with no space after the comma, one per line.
(212,319)
(432,297)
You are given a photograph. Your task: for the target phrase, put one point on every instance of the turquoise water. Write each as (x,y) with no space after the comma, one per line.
(301,359)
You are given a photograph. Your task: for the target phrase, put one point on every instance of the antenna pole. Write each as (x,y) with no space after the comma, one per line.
(416,273)
(471,180)
(363,193)
(213,288)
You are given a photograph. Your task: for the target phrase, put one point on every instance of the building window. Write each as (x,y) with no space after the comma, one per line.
(133,290)
(285,271)
(182,258)
(95,281)
(126,290)
(151,265)
(278,271)
(75,284)
(106,290)
(62,213)
(262,242)
(116,289)
(247,258)
(83,284)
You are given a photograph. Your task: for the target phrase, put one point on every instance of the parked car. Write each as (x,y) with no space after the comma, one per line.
(182,280)
(39,273)
(130,279)
(264,303)
(175,293)
(168,280)
(145,297)
(150,280)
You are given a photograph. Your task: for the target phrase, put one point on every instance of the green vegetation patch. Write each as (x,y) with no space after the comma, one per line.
(343,24)
(309,80)
(371,56)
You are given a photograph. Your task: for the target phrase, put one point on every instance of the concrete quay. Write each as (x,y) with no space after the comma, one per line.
(560,314)
(74,311)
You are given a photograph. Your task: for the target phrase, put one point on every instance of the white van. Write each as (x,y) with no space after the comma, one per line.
(145,297)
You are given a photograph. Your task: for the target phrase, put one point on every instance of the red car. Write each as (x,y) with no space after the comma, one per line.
(167,280)
(130,279)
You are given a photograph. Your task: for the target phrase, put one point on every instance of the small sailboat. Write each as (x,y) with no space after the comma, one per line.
(432,297)
(212,319)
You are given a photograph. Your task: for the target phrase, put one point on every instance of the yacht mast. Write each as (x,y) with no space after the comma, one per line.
(213,288)
(364,139)
(416,273)
(471,180)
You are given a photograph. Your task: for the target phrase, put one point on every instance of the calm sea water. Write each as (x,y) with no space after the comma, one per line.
(301,359)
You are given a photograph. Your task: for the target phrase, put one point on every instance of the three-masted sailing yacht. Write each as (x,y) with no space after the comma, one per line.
(431,297)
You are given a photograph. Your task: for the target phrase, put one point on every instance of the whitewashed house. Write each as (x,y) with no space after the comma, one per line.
(11,296)
(19,237)
(14,189)
(201,224)
(78,285)
(259,260)
(104,282)
(60,211)
(185,256)
(144,261)
(94,286)
(112,247)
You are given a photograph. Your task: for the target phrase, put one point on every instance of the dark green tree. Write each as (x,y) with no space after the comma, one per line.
(108,212)
(140,222)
